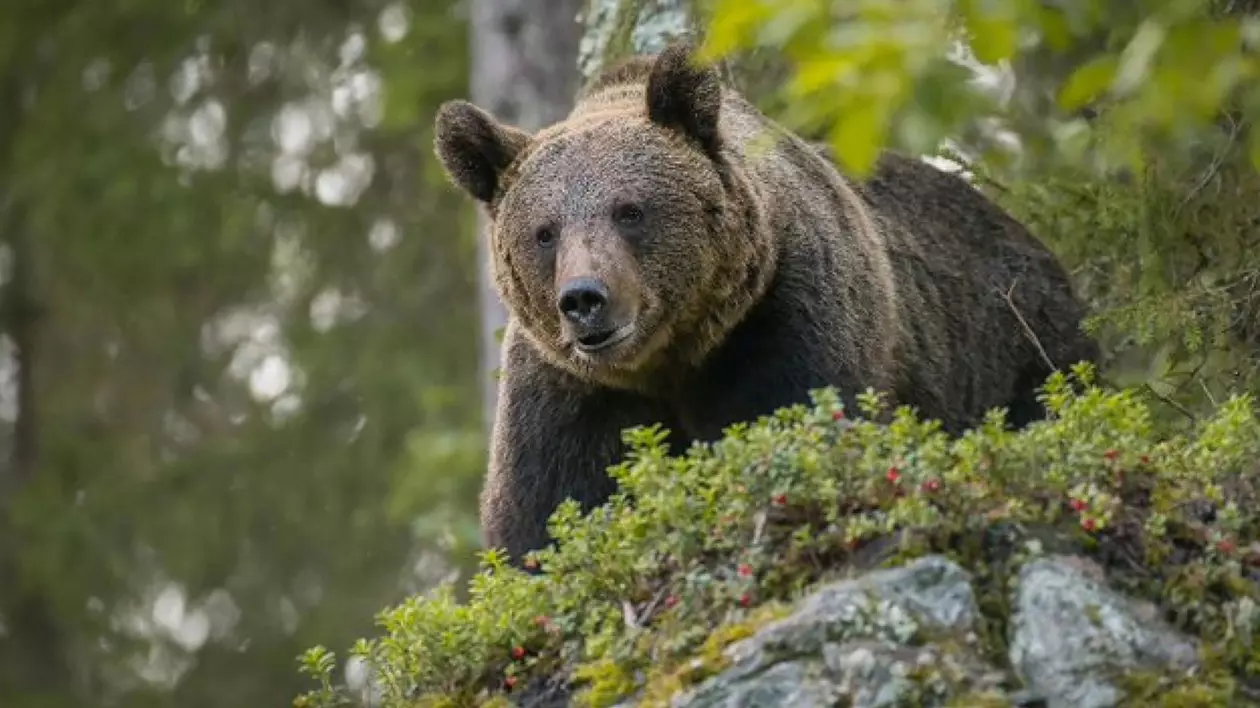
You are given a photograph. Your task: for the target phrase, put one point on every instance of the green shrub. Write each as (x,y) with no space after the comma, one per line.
(728,534)
(1165,261)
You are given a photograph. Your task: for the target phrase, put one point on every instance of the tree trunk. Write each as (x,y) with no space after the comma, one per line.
(523,71)
(617,28)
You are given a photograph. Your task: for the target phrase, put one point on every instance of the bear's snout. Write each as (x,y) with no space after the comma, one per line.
(583,301)
(586,305)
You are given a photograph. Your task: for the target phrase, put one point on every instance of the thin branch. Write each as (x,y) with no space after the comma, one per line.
(628,614)
(1213,168)
(1180,408)
(1207,392)
(759,528)
(1028,331)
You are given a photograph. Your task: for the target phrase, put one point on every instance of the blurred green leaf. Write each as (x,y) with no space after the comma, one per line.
(1089,81)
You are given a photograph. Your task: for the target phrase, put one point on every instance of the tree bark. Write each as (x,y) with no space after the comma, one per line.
(523,72)
(615,29)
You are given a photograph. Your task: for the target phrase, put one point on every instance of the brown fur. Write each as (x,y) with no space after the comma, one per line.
(756,273)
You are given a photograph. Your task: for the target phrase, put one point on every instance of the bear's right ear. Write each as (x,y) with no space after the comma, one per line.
(475,148)
(685,96)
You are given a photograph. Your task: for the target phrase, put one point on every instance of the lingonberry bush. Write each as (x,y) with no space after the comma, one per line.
(726,535)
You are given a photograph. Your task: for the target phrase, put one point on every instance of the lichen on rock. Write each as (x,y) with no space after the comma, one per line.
(1072,635)
(906,636)
(864,642)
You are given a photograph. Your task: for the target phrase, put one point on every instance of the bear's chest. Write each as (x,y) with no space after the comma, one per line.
(768,363)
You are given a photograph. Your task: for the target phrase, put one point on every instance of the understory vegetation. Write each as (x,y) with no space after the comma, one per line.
(726,535)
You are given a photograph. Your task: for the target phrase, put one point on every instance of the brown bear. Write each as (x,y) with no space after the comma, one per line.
(663,263)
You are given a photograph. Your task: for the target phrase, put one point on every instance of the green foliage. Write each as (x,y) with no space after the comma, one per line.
(1164,258)
(276,522)
(880,74)
(725,535)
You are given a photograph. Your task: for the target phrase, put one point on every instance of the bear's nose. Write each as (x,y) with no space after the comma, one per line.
(583,299)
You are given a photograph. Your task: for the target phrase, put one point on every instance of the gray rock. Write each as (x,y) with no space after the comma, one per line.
(905,636)
(1071,633)
(857,643)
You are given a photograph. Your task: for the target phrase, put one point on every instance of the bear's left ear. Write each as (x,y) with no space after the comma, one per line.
(685,96)
(474,148)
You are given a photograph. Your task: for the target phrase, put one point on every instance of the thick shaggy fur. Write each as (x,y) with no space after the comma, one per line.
(752,272)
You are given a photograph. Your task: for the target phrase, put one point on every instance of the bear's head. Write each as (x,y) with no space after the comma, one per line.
(626,237)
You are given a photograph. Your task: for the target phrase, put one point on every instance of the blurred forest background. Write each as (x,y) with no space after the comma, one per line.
(245,336)
(240,402)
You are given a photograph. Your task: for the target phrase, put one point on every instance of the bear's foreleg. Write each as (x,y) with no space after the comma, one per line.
(554,438)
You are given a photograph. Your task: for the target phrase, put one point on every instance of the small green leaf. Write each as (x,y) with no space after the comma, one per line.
(994,31)
(1088,82)
(817,73)
(1055,28)
(858,136)
(1137,57)
(733,23)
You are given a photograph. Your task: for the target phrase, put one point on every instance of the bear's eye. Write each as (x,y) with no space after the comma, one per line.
(546,236)
(627,214)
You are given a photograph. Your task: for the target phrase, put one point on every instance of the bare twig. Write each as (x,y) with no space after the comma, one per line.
(629,615)
(650,609)
(759,527)
(1180,408)
(1208,393)
(1213,167)
(1028,331)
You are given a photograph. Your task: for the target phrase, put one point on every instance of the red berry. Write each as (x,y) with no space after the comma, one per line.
(932,485)
(838,415)
(509,683)
(745,600)
(518,653)
(780,499)
(1226,546)
(671,601)
(1078,505)
(894,475)
(745,569)
(1089,525)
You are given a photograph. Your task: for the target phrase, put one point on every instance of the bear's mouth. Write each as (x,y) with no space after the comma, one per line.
(597,341)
